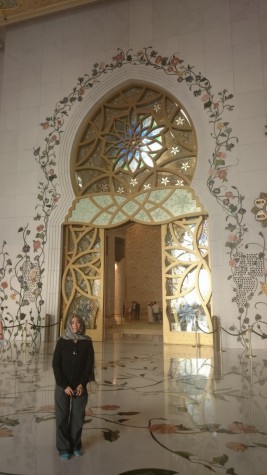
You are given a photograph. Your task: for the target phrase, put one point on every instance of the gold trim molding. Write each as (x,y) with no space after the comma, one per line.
(29,9)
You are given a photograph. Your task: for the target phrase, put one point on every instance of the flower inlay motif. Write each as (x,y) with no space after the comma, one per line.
(134,141)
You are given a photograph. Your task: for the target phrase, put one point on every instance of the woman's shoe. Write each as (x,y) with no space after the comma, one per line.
(77,453)
(64,456)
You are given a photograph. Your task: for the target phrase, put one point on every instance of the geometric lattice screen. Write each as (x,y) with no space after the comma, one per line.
(134,161)
(82,279)
(138,139)
(187,275)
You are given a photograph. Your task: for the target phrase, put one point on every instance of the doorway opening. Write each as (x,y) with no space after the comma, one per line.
(106,270)
(133,275)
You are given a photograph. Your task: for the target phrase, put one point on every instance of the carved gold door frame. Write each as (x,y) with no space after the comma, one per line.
(133,160)
(82,278)
(186,282)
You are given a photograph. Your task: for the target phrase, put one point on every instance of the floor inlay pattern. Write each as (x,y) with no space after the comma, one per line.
(157,410)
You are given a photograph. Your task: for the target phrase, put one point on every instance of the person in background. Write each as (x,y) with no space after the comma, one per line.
(73,366)
(155,310)
(130,313)
(137,310)
(134,310)
(150,313)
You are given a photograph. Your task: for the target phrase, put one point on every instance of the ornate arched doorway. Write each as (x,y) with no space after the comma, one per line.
(134,160)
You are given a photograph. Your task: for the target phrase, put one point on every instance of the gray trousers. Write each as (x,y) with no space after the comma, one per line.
(70,414)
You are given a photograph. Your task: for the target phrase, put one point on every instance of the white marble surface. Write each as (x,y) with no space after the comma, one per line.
(157,410)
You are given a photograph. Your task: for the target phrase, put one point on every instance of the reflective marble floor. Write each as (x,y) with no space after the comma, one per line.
(157,410)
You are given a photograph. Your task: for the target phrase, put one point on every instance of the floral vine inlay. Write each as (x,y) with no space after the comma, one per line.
(32,256)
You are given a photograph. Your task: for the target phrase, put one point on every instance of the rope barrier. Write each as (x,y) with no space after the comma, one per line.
(44,326)
(206,332)
(248,330)
(215,331)
(212,332)
(262,335)
(233,334)
(33,325)
(219,330)
(13,326)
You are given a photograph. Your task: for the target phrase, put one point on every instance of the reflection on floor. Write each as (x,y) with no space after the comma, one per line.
(158,410)
(125,328)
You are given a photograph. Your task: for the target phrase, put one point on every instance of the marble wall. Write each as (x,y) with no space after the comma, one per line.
(224,42)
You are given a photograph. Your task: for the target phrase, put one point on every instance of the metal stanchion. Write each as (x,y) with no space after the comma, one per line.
(251,378)
(250,355)
(220,337)
(197,345)
(24,334)
(24,341)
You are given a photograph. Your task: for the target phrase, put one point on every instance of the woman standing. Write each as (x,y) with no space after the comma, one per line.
(73,366)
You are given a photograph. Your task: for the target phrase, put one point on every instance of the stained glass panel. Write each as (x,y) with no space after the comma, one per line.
(139,133)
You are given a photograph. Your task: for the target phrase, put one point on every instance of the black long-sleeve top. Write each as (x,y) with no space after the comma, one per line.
(73,363)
